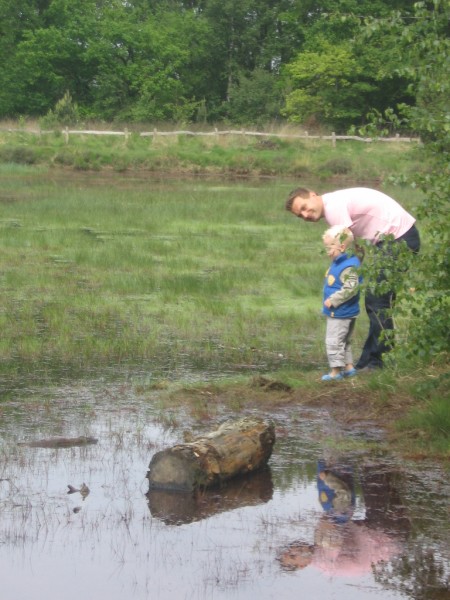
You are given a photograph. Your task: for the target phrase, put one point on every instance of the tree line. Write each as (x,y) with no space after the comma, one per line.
(312,62)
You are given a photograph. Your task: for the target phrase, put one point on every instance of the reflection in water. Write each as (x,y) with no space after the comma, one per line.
(345,546)
(120,541)
(176,508)
(336,495)
(423,574)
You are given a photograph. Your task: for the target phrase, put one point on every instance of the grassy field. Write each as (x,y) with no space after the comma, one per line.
(102,268)
(113,270)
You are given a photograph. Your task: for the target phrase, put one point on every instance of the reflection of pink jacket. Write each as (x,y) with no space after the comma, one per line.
(350,550)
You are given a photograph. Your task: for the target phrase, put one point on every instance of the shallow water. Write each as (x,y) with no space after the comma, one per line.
(384,535)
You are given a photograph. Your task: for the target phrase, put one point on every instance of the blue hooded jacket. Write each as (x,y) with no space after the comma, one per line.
(333,283)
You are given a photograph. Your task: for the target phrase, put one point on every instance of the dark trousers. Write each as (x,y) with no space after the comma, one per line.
(379,309)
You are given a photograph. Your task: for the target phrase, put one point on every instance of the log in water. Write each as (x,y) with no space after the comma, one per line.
(235,448)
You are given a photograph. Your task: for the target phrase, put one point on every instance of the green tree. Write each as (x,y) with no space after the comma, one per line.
(336,76)
(327,86)
(255,99)
(163,75)
(17,17)
(425,48)
(249,40)
(49,57)
(117,60)
(158,60)
(427,45)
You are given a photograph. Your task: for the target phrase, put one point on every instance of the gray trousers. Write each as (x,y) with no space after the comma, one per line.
(338,341)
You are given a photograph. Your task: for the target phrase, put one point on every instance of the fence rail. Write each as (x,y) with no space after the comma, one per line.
(66,132)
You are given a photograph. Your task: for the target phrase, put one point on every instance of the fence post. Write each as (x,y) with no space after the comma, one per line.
(333,139)
(66,134)
(126,134)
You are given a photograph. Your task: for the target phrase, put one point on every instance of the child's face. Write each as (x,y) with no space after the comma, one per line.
(333,247)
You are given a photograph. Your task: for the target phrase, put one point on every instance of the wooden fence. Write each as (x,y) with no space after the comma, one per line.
(66,132)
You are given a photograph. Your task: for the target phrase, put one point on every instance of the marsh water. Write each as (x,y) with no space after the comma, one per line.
(316,523)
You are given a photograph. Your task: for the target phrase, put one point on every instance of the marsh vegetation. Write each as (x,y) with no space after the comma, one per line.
(191,278)
(138,307)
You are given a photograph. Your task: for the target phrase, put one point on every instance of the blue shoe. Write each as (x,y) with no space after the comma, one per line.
(329,377)
(350,373)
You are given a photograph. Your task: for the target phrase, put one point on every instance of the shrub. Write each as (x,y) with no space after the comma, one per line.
(65,113)
(21,155)
(337,166)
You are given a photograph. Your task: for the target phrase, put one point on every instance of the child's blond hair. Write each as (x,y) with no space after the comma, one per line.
(340,233)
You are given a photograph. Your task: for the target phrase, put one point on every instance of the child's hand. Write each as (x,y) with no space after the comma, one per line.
(327,303)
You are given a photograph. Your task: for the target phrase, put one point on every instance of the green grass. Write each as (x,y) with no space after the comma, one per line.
(430,425)
(114,269)
(427,423)
(97,269)
(105,268)
(235,155)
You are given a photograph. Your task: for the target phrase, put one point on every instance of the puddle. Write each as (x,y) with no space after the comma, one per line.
(314,524)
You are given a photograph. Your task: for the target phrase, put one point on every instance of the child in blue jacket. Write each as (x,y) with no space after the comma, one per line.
(340,302)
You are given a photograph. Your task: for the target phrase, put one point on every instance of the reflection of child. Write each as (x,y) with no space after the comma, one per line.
(335,495)
(340,302)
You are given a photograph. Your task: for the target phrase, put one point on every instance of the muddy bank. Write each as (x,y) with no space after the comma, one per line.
(366,401)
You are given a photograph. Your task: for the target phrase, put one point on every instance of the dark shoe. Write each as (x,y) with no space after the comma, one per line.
(359,366)
(368,369)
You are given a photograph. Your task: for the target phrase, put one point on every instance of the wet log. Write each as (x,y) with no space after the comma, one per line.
(235,448)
